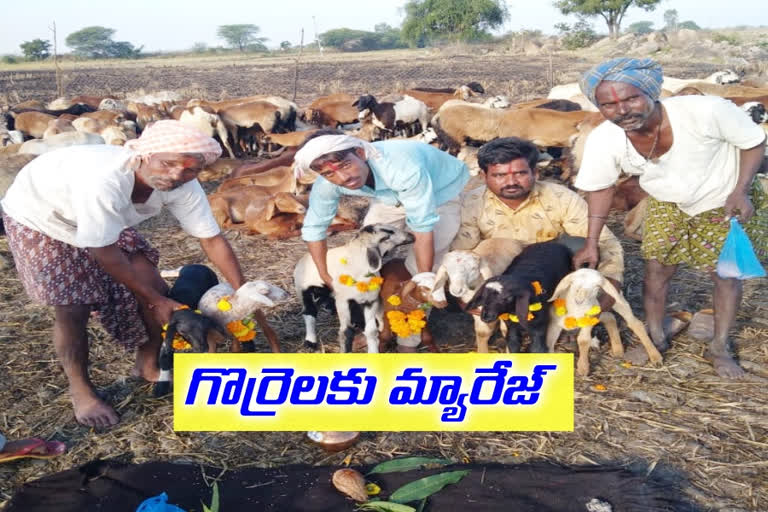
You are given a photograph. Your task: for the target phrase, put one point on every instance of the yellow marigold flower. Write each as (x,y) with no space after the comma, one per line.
(250,324)
(626,364)
(344,261)
(372,489)
(395,316)
(165,327)
(587,321)
(362,287)
(537,287)
(372,287)
(560,311)
(536,306)
(514,318)
(417,313)
(346,279)
(570,323)
(224,304)
(180,344)
(248,336)
(394,300)
(594,310)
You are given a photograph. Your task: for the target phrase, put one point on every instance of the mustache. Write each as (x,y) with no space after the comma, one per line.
(627,117)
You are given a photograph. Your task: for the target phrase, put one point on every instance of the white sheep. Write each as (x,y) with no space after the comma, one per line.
(465,271)
(241,304)
(576,305)
(361,260)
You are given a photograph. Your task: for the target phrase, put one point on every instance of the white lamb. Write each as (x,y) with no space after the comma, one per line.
(576,305)
(465,271)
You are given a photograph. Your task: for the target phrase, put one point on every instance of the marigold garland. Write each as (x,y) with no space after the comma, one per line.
(590,318)
(536,306)
(406,324)
(373,284)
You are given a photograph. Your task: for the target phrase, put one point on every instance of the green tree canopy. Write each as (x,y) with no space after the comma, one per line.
(691,25)
(96,42)
(458,20)
(37,49)
(640,27)
(243,37)
(670,19)
(348,39)
(612,11)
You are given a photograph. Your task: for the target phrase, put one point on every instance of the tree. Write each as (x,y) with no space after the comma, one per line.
(458,20)
(670,19)
(242,37)
(37,49)
(640,27)
(580,35)
(612,11)
(200,47)
(347,39)
(96,42)
(690,25)
(285,45)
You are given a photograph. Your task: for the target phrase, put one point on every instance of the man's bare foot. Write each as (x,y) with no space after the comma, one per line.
(725,365)
(147,372)
(92,411)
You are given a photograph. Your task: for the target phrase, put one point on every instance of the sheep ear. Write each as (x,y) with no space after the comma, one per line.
(562,287)
(477,300)
(485,270)
(407,289)
(270,208)
(374,258)
(611,290)
(438,290)
(263,300)
(521,308)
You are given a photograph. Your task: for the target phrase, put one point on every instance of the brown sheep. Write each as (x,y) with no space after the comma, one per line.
(279,217)
(229,207)
(59,125)
(279,179)
(397,281)
(457,124)
(32,124)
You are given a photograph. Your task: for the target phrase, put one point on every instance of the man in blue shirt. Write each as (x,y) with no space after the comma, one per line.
(410,183)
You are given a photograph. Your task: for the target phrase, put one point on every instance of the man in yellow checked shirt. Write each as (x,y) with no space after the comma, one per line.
(512,204)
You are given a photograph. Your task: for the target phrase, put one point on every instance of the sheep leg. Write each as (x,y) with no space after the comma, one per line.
(553,333)
(637,327)
(584,339)
(310,319)
(483,332)
(221,131)
(269,333)
(371,330)
(428,341)
(513,340)
(385,337)
(163,385)
(538,341)
(346,330)
(609,321)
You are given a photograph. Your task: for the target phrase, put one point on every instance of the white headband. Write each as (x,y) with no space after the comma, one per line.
(325,144)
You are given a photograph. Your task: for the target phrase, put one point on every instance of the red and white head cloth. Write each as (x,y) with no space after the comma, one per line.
(169,136)
(325,144)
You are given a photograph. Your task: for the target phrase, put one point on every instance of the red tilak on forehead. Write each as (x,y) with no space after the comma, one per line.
(615,96)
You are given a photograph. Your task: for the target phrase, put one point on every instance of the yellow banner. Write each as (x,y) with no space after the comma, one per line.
(373,392)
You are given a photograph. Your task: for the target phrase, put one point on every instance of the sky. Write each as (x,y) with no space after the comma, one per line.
(166,25)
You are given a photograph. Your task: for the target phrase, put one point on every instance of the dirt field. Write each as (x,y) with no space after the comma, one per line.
(681,419)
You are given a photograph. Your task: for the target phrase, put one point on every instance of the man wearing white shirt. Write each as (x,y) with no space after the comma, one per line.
(696,156)
(68,217)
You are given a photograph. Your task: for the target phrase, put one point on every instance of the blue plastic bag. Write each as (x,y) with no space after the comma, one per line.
(737,258)
(158,503)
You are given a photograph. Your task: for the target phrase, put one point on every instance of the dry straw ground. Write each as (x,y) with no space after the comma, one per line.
(680,417)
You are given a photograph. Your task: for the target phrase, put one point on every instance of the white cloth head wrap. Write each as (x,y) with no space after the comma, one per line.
(325,144)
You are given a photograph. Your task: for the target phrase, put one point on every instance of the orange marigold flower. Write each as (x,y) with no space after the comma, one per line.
(570,323)
(183,306)
(180,344)
(395,316)
(504,316)
(362,287)
(537,287)
(417,313)
(376,280)
(247,336)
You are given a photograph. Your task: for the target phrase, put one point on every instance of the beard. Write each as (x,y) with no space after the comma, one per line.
(163,184)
